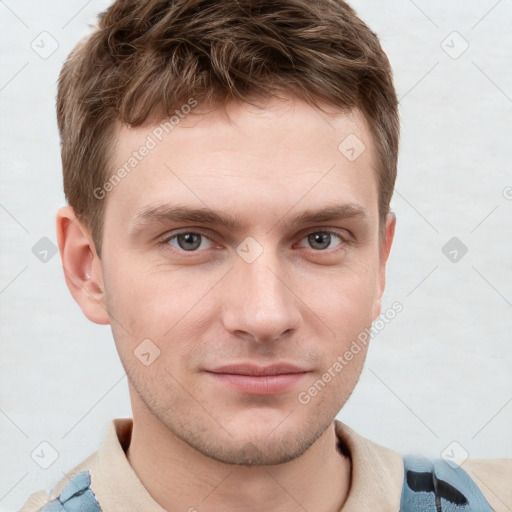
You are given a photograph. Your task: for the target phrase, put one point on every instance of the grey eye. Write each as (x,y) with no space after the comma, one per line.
(189,241)
(320,240)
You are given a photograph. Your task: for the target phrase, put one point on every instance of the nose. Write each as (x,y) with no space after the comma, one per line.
(259,303)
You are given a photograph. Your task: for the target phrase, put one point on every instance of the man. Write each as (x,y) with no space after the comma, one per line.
(229,168)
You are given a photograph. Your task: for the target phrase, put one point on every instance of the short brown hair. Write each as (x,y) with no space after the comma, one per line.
(148,57)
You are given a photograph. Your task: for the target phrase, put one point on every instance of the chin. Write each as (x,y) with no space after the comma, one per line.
(257,451)
(259,437)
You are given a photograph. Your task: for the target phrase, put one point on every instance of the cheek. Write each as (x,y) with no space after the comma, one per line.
(348,296)
(173,306)
(149,303)
(347,311)
(168,307)
(333,385)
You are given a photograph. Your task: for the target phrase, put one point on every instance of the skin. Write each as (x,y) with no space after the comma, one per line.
(198,444)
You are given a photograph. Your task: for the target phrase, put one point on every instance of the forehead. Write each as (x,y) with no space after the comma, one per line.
(273,155)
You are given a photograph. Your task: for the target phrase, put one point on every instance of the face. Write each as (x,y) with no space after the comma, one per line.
(244,238)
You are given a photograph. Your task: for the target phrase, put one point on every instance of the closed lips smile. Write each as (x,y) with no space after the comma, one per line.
(257,380)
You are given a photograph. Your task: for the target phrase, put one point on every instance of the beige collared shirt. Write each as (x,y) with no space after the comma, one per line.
(376,479)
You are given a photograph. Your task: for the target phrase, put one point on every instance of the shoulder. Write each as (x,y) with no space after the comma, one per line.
(35,502)
(418,483)
(479,484)
(494,478)
(74,489)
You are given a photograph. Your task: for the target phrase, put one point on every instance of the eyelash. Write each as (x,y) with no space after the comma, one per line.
(164,242)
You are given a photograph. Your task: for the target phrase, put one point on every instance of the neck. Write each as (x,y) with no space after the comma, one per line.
(178,477)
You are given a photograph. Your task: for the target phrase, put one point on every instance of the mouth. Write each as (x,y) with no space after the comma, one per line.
(258,380)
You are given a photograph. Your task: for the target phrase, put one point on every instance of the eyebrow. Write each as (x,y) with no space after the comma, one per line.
(162,213)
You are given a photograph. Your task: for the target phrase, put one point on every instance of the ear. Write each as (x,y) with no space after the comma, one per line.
(82,267)
(384,250)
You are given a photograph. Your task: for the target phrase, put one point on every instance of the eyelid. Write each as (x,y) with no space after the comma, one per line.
(345,236)
(164,240)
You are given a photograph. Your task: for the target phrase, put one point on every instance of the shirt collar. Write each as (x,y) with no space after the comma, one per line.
(376,473)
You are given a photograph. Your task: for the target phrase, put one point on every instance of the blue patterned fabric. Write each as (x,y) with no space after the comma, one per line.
(75,497)
(432,485)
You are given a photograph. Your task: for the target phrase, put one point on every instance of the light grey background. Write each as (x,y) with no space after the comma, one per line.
(439,372)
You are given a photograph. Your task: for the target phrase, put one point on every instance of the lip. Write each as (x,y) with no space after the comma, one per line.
(255,370)
(259,380)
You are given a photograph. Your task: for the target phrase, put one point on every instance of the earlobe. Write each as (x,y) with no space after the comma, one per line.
(82,267)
